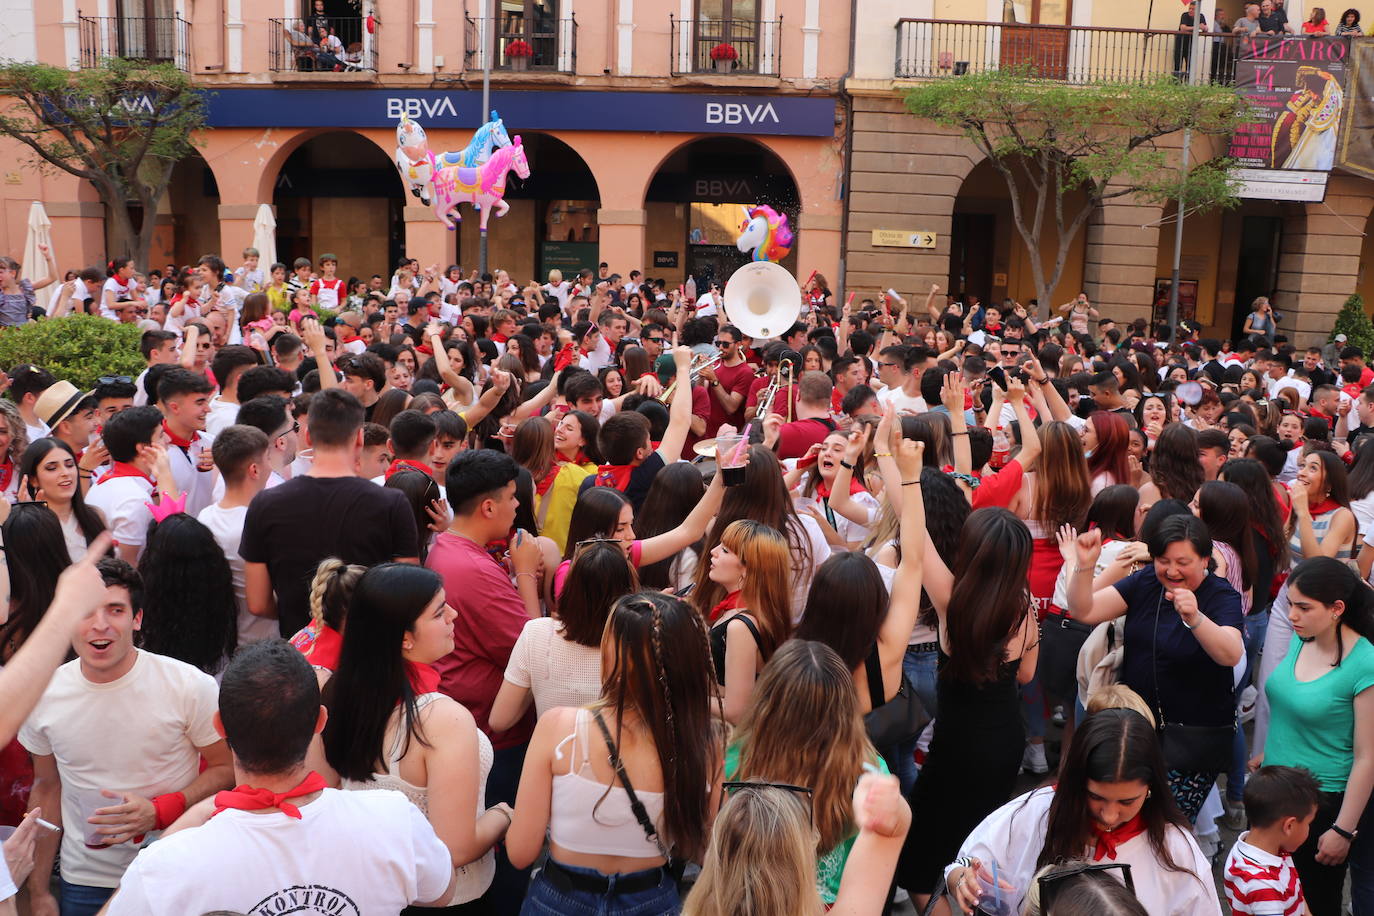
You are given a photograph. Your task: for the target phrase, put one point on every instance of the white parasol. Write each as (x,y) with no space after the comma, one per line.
(265,238)
(34,264)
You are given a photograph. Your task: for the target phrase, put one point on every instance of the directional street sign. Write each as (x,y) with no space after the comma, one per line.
(903,238)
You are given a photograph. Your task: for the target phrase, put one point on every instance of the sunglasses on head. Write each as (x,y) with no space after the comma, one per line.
(1051,884)
(732,786)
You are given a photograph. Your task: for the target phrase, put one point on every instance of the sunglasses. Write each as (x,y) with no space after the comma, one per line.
(722,344)
(1052,883)
(113,379)
(753,785)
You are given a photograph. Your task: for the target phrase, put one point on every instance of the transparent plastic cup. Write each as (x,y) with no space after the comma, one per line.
(88,801)
(996,896)
(731,458)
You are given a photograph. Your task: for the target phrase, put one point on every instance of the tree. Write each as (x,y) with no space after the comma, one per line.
(1047,139)
(122,127)
(1354,324)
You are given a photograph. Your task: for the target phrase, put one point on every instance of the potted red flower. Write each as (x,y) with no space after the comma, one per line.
(518,52)
(724,56)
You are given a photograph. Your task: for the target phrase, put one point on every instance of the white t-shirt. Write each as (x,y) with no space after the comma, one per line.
(1014,835)
(355,853)
(137,734)
(227,527)
(222,415)
(120,290)
(250,280)
(904,403)
(121,500)
(706,305)
(560,291)
(196,485)
(556,670)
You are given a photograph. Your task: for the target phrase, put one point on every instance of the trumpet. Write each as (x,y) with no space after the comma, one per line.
(699,363)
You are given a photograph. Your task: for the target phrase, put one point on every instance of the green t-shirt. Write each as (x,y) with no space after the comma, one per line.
(830,866)
(1312,723)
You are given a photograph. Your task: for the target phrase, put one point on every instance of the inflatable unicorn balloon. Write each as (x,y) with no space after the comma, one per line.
(483,186)
(417,164)
(765,232)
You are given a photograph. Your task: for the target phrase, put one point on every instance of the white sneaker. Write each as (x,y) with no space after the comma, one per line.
(1246,708)
(1033,760)
(1058,717)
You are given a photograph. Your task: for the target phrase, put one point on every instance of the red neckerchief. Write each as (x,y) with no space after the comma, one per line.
(823,489)
(423,678)
(580,458)
(614,475)
(564,359)
(1108,841)
(247,798)
(6,473)
(123,469)
(730,603)
(542,486)
(836,400)
(499,338)
(409,463)
(320,644)
(1323,507)
(177,440)
(349,339)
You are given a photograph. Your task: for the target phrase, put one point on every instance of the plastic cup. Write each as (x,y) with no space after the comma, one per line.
(6,832)
(996,896)
(88,801)
(731,458)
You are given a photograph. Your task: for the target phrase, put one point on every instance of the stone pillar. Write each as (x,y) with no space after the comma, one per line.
(427,239)
(1319,261)
(622,239)
(818,245)
(235,231)
(1119,260)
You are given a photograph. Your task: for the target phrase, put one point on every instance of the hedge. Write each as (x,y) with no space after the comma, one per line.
(77,348)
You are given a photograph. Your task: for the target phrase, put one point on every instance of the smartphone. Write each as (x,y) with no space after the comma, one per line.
(684,592)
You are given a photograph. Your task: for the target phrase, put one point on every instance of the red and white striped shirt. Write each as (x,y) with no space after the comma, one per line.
(1261,884)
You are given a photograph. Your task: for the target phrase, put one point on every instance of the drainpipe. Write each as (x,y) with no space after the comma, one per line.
(223,22)
(409,60)
(848,100)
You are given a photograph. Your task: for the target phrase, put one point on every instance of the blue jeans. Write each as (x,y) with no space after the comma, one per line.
(545,899)
(1255,626)
(82,899)
(922,669)
(1033,708)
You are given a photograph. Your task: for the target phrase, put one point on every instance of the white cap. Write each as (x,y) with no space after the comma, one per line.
(1341,338)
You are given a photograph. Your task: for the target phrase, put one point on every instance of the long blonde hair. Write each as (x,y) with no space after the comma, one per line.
(804,728)
(19,432)
(758,827)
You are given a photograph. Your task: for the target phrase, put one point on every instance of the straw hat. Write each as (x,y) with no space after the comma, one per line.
(57,403)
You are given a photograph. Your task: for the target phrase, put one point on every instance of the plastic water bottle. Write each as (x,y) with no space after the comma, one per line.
(690,288)
(1001,447)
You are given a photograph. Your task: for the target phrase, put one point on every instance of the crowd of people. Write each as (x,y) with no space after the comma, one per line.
(572,598)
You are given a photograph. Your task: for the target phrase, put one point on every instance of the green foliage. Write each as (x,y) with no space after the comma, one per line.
(121,126)
(1354,323)
(78,348)
(1048,138)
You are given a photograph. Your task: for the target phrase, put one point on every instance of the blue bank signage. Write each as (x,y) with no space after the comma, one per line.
(666,112)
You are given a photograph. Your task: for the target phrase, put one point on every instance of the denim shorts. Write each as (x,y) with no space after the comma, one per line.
(546,899)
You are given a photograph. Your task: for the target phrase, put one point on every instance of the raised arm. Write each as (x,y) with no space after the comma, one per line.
(1030,436)
(930,302)
(1085,605)
(680,411)
(952,397)
(313,334)
(1058,409)
(500,381)
(692,529)
(841,501)
(905,603)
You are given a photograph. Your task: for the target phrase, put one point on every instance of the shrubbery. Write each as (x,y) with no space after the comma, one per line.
(78,348)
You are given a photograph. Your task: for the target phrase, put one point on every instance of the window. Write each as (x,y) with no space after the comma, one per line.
(729,22)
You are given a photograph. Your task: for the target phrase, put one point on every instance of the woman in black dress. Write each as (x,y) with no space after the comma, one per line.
(988,645)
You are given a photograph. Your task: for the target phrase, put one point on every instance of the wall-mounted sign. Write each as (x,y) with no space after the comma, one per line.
(665,259)
(666,112)
(903,238)
(1279,184)
(1296,89)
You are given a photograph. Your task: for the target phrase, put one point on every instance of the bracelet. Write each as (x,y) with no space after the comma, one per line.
(882,454)
(1079,569)
(1348,835)
(911,483)
(1186,624)
(499,810)
(531,575)
(846,465)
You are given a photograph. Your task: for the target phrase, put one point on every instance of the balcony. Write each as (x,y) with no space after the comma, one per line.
(933,49)
(706,46)
(517,44)
(159,39)
(294,47)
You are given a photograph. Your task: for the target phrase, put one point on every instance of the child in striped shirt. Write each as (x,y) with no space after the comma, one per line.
(1261,879)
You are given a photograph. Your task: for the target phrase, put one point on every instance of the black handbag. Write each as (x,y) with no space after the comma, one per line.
(1190,748)
(676,866)
(1061,639)
(897,720)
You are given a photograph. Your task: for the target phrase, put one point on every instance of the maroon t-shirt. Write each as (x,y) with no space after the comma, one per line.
(735,380)
(796,437)
(490,617)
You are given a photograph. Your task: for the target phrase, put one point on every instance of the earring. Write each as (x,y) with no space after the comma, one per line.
(1148,793)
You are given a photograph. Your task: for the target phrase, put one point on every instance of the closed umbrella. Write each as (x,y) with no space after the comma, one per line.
(265,238)
(34,264)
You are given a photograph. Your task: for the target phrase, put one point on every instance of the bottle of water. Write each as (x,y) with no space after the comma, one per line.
(690,288)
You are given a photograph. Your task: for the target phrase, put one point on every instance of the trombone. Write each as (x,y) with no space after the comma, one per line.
(769,394)
(699,362)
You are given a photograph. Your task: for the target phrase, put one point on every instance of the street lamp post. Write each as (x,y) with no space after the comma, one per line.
(1194,76)
(489,45)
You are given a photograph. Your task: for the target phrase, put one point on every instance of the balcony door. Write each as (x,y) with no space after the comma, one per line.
(534,22)
(1044,51)
(731,22)
(146,30)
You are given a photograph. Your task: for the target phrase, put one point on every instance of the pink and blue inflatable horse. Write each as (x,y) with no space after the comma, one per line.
(483,186)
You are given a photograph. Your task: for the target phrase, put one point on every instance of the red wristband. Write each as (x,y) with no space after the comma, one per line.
(169,807)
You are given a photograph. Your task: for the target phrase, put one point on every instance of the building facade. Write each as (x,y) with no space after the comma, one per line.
(642,145)
(909,176)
